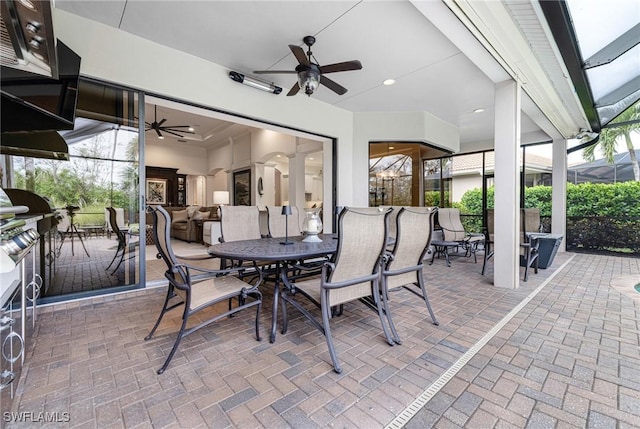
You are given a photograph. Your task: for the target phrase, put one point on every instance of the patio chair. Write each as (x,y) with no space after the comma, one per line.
(529,245)
(198,288)
(353,273)
(239,223)
(403,266)
(124,245)
(453,231)
(119,221)
(278,222)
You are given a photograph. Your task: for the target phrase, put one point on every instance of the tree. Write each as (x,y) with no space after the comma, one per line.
(610,136)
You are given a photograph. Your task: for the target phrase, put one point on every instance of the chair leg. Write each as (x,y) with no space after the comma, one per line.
(487,255)
(285,313)
(164,310)
(114,258)
(326,310)
(426,300)
(381,314)
(185,316)
(527,263)
(385,303)
(259,297)
(119,262)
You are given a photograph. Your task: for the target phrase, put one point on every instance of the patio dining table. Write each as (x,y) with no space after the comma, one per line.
(272,250)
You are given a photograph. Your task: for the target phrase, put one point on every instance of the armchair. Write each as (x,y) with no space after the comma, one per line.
(195,288)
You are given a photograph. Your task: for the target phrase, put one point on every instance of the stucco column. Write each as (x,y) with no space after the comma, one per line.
(559,191)
(507,185)
(296,180)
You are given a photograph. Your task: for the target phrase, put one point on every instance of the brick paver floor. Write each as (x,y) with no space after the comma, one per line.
(569,358)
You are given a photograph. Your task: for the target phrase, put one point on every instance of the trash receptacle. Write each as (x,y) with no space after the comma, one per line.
(549,244)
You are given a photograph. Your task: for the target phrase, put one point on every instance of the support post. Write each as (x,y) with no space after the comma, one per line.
(507,185)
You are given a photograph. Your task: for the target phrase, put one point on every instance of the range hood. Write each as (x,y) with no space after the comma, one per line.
(26,29)
(39,78)
(40,144)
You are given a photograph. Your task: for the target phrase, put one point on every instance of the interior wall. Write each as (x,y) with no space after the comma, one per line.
(187,159)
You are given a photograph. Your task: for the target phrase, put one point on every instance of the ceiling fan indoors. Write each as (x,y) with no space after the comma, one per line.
(168,129)
(310,73)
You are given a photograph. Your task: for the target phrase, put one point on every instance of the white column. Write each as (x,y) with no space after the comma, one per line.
(507,185)
(296,180)
(559,191)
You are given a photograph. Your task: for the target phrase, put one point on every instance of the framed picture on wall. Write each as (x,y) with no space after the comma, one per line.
(242,188)
(156,191)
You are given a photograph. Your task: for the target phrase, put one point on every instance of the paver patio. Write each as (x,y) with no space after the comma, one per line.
(569,357)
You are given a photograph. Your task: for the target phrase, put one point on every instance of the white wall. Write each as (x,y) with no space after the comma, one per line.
(116,56)
(188,160)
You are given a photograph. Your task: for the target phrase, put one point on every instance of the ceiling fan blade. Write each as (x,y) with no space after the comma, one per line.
(298,52)
(338,89)
(167,129)
(172,133)
(158,133)
(294,90)
(339,67)
(162,122)
(274,71)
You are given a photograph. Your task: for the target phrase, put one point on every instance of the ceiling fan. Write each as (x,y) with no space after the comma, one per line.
(169,129)
(310,73)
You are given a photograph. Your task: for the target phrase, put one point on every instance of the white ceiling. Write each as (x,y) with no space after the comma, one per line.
(392,39)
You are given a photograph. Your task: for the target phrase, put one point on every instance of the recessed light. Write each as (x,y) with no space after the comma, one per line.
(392,147)
(480,110)
(310,158)
(388,82)
(191,129)
(278,156)
(161,137)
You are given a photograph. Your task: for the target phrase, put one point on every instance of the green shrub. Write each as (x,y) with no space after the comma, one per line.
(599,216)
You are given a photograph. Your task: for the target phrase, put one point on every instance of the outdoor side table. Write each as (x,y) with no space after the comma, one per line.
(442,247)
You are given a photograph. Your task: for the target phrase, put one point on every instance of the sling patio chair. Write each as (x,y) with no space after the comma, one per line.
(198,288)
(281,225)
(125,246)
(529,244)
(403,266)
(240,223)
(353,273)
(453,231)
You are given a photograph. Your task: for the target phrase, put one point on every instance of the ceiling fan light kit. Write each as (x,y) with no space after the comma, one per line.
(254,83)
(310,74)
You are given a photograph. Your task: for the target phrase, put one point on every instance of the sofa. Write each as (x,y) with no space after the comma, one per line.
(183,221)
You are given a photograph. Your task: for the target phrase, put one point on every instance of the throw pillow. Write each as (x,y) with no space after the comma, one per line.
(201,215)
(191,210)
(180,216)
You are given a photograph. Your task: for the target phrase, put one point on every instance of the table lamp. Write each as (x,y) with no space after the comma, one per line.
(220,197)
(286,211)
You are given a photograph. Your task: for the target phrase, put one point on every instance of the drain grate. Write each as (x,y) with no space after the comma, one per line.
(403,418)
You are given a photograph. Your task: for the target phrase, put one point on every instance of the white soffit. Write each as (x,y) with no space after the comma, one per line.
(516,35)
